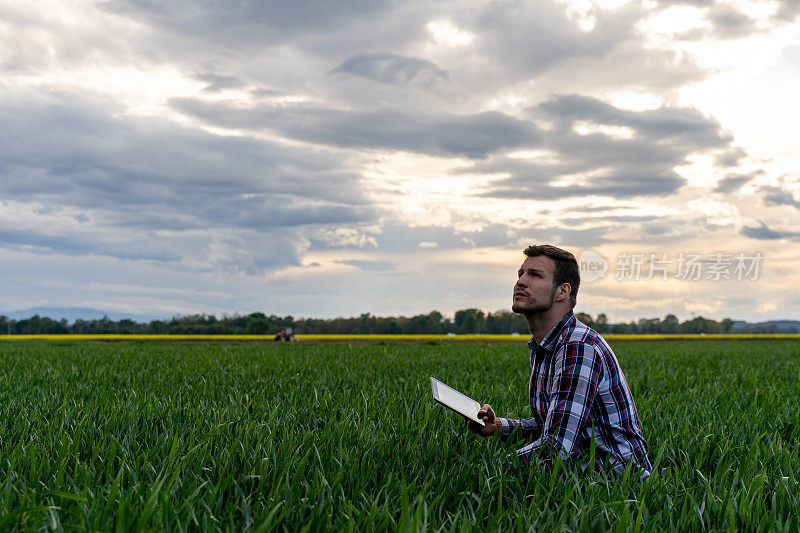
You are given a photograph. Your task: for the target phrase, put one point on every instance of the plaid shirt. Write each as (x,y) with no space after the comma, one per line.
(576,383)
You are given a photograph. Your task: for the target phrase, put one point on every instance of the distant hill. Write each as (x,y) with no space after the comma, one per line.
(784,325)
(74,313)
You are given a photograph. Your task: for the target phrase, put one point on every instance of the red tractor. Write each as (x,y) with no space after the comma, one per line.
(285,335)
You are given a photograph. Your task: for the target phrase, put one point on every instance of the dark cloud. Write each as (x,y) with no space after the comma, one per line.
(87,153)
(391,68)
(684,126)
(778,196)
(132,178)
(84,243)
(731,157)
(266,19)
(762,232)
(278,210)
(732,183)
(730,23)
(640,163)
(468,135)
(216,32)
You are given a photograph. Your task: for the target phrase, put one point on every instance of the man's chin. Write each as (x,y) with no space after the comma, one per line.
(521,309)
(530,311)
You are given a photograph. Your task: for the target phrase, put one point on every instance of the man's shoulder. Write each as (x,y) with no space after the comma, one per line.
(580,334)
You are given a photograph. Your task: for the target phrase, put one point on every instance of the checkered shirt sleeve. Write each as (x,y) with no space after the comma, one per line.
(578,370)
(527,428)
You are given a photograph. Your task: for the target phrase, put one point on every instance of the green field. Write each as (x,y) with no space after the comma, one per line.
(168,436)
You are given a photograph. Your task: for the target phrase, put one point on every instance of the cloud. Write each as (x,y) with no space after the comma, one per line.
(598,163)
(251,19)
(391,68)
(215,32)
(251,252)
(279,210)
(513,43)
(787,12)
(397,239)
(217,82)
(72,242)
(145,188)
(730,23)
(725,21)
(731,183)
(467,135)
(374,266)
(210,143)
(91,154)
(522,41)
(779,196)
(762,232)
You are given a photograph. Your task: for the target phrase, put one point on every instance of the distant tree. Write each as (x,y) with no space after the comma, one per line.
(726,326)
(126,326)
(670,324)
(257,324)
(586,319)
(601,323)
(469,321)
(648,326)
(465,321)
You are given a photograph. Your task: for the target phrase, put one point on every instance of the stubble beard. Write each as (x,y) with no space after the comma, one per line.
(530,308)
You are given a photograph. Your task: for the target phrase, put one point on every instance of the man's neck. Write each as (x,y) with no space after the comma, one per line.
(540,324)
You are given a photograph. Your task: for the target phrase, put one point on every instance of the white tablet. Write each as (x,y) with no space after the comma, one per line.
(452,399)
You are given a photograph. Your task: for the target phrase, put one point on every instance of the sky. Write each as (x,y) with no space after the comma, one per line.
(326,159)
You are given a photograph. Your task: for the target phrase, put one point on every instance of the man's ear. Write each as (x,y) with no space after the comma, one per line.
(563,292)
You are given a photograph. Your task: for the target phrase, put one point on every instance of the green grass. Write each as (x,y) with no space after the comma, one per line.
(178,437)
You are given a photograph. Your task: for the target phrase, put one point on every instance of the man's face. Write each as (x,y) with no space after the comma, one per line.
(534,291)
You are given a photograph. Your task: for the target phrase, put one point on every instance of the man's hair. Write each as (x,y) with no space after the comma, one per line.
(567,270)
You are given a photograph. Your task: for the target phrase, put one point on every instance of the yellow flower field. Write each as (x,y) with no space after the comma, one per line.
(378,338)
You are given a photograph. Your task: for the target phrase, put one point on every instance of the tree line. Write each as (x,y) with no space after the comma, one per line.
(465,321)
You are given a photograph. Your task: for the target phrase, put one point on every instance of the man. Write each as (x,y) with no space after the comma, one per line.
(576,386)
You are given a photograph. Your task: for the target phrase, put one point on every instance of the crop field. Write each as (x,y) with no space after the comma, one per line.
(358,338)
(136,435)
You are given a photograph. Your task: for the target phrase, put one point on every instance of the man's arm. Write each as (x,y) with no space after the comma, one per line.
(527,428)
(578,372)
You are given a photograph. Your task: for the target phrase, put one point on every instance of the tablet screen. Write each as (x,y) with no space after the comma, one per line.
(460,403)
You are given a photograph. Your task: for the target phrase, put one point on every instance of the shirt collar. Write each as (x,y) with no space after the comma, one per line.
(552,336)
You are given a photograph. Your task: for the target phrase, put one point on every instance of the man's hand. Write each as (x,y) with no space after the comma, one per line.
(492,427)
